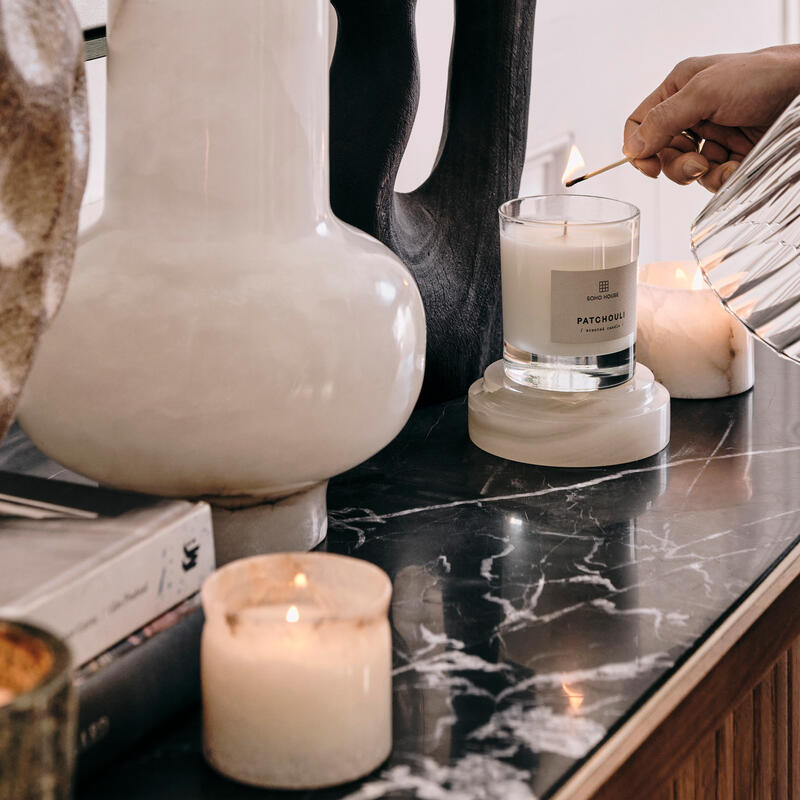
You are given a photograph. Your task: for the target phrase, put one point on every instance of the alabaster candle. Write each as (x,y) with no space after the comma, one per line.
(296,666)
(568,266)
(685,336)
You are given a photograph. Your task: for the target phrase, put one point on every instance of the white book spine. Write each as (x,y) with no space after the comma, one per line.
(120,595)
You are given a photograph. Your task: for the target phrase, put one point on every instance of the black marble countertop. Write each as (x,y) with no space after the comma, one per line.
(535,609)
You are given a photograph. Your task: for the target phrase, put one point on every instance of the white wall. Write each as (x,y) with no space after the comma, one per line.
(593,63)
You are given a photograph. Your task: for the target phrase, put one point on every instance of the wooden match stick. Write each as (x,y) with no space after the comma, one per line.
(690,135)
(591,174)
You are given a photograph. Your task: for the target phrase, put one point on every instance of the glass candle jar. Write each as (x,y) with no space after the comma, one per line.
(296,670)
(569,291)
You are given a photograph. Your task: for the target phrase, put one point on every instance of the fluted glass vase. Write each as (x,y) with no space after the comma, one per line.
(224,335)
(747,239)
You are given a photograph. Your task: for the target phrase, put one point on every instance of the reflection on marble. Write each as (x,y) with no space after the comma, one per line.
(534,608)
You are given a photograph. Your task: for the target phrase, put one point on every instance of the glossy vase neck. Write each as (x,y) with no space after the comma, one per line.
(218,116)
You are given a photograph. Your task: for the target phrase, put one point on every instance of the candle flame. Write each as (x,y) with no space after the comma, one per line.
(292,615)
(680,276)
(300,580)
(574,163)
(575,697)
(683,280)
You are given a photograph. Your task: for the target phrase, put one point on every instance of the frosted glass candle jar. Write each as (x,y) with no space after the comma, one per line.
(569,291)
(692,345)
(296,665)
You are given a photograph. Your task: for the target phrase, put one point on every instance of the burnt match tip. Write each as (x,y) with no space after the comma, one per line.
(574,181)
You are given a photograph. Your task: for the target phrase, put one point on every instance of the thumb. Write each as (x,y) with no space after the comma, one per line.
(664,121)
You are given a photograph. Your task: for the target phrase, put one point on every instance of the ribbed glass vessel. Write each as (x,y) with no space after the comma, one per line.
(747,238)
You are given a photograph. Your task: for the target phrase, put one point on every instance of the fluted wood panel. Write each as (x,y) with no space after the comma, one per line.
(755,752)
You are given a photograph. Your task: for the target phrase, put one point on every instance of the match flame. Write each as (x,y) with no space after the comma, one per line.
(292,615)
(300,580)
(574,163)
(575,698)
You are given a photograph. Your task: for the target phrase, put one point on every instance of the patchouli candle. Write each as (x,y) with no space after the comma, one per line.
(569,291)
(685,336)
(296,665)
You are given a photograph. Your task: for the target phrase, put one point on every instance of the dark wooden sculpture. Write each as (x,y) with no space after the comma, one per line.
(446,231)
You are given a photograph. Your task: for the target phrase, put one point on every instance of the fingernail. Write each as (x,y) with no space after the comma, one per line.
(634,145)
(694,169)
(727,173)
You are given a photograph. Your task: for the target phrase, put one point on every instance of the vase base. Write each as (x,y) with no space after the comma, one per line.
(569,429)
(294,523)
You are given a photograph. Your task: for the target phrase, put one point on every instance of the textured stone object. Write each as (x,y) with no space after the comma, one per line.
(44,147)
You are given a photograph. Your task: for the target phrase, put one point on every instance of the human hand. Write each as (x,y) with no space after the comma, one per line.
(729,100)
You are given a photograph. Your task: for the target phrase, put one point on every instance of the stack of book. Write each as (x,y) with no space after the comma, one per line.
(117,575)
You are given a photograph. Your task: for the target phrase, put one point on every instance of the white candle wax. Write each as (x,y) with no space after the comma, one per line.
(530,254)
(296,666)
(692,345)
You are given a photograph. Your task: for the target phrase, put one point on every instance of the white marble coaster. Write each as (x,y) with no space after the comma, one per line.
(566,429)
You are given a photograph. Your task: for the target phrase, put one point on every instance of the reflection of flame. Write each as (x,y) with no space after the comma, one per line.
(698,282)
(292,615)
(300,580)
(575,697)
(574,163)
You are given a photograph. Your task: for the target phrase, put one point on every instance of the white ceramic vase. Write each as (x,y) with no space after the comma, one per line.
(224,335)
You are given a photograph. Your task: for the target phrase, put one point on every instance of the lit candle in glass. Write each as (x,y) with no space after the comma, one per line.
(568,266)
(685,336)
(296,665)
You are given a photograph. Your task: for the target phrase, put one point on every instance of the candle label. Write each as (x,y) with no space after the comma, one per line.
(594,305)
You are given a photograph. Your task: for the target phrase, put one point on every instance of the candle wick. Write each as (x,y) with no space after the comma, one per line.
(565,228)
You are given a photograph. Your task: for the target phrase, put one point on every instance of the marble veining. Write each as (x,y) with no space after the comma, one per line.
(534,609)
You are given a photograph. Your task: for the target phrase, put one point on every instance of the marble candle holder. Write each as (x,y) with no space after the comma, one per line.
(684,335)
(568,392)
(577,429)
(296,670)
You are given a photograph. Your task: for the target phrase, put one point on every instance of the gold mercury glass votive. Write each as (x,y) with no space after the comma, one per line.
(37,715)
(296,670)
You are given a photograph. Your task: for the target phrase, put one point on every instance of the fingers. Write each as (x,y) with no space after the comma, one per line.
(663,122)
(718,175)
(686,100)
(732,138)
(649,166)
(683,167)
(715,152)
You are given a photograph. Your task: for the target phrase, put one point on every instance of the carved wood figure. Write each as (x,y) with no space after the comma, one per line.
(446,231)
(44,148)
